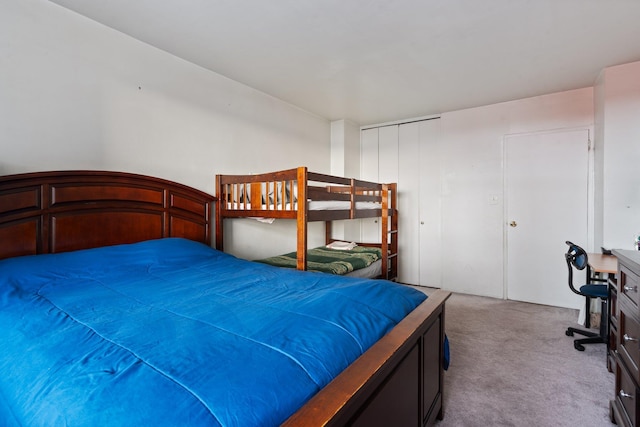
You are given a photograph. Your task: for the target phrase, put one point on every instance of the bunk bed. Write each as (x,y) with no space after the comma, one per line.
(66,234)
(307,196)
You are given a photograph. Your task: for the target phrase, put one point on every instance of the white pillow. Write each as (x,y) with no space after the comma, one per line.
(343,246)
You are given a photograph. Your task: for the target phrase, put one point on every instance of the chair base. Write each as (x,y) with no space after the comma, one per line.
(592,338)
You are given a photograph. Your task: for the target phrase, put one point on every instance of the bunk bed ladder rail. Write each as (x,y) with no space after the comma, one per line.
(386,195)
(390,238)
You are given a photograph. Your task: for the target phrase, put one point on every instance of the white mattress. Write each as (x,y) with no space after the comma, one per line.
(369,272)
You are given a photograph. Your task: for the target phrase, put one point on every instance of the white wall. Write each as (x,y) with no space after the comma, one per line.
(618,171)
(467,159)
(77,95)
(471,146)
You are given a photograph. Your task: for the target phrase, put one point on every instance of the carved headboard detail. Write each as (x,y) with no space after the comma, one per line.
(49,212)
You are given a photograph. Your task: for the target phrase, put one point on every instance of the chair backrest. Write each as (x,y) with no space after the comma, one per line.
(577,258)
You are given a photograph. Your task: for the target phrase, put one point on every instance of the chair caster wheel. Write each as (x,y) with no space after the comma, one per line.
(568,333)
(578,347)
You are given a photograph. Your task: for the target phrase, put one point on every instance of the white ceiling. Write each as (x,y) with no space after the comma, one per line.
(374,61)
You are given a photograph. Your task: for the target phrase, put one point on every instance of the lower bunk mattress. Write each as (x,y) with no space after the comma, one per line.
(172,332)
(334,261)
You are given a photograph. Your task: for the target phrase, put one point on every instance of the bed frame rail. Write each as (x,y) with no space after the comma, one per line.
(398,381)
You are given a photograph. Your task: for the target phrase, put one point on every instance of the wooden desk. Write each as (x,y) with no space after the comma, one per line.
(599,263)
(607,266)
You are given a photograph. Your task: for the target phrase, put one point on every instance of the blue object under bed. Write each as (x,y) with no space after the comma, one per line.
(171,332)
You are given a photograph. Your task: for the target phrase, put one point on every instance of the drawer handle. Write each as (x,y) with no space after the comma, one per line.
(623,394)
(627,338)
(630,288)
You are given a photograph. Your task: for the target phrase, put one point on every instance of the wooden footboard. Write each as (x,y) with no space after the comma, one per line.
(397,382)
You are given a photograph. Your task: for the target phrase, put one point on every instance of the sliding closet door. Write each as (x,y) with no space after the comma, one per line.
(388,154)
(379,163)
(369,160)
(409,204)
(419,203)
(369,154)
(430,263)
(409,155)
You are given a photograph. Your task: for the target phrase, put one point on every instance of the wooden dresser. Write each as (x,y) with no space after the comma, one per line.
(624,407)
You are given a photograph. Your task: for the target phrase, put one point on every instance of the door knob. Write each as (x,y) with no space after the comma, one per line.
(513,224)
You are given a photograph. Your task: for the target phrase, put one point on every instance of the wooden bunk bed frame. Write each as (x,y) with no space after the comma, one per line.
(398,381)
(311,187)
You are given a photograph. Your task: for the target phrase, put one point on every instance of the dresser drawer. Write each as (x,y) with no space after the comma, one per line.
(613,342)
(629,285)
(628,341)
(626,396)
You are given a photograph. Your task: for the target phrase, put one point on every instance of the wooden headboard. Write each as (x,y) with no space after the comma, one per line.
(49,212)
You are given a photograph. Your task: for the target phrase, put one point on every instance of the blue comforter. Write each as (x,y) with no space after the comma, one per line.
(171,332)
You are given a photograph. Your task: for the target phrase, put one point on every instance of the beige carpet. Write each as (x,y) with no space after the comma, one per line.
(513,365)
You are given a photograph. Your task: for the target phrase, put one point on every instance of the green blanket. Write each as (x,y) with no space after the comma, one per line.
(327,260)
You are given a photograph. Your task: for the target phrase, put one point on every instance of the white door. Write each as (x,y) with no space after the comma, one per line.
(388,154)
(546,204)
(419,245)
(369,154)
(379,163)
(369,161)
(409,204)
(430,182)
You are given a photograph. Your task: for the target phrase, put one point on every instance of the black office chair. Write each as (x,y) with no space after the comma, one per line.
(577,258)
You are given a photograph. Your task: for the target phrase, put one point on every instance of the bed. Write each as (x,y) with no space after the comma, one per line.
(279,195)
(79,222)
